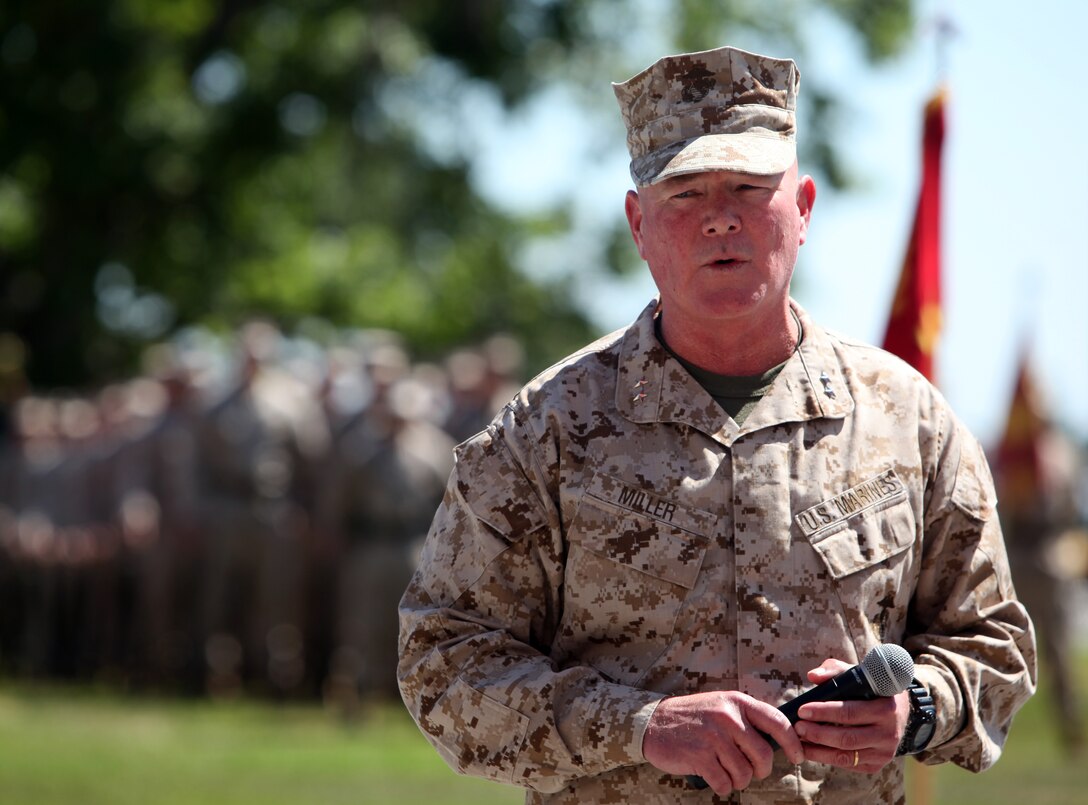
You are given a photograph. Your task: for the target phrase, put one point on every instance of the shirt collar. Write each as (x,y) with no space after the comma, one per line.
(652,386)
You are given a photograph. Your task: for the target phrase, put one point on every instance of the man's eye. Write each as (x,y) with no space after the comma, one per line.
(685,194)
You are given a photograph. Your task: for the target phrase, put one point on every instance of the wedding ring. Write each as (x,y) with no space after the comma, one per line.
(855,757)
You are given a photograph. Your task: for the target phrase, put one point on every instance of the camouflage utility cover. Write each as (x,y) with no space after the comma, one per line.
(613,538)
(723,109)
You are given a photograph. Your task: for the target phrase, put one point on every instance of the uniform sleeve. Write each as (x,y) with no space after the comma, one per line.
(973,642)
(475,624)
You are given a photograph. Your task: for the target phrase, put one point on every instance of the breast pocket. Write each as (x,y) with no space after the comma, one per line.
(634,558)
(868,562)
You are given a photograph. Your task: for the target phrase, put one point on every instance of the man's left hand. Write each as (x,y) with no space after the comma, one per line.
(859,736)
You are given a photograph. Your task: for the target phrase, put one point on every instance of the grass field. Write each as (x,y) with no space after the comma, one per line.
(60,746)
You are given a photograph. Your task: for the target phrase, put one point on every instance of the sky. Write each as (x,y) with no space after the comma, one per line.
(1015,256)
(1015,197)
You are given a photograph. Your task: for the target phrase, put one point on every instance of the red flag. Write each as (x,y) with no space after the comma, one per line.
(1021,469)
(915,321)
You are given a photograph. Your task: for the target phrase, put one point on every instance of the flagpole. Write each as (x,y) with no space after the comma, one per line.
(945,31)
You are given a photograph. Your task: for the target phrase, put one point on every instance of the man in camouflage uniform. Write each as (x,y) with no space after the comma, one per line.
(689,522)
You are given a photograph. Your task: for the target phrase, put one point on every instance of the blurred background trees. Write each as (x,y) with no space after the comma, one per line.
(176,164)
(173,162)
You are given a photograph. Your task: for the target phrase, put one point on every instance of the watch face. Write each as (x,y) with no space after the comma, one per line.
(925,732)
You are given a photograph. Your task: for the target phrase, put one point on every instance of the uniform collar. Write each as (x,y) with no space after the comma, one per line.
(652,386)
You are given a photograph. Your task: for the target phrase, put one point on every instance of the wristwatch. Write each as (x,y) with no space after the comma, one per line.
(922,723)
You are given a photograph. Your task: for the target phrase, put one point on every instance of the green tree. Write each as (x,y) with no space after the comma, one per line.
(168,162)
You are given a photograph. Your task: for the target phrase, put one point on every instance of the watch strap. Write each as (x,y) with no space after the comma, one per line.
(922,722)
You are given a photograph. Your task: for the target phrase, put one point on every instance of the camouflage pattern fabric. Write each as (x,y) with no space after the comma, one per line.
(614,538)
(722,109)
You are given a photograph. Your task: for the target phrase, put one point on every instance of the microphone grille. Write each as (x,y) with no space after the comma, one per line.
(889,669)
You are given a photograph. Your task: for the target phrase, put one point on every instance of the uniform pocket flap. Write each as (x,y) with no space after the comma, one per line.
(496,489)
(477,720)
(643,531)
(866,540)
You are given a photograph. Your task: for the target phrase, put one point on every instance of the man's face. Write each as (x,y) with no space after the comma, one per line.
(721,245)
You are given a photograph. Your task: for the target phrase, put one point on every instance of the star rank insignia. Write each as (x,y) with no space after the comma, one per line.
(828,390)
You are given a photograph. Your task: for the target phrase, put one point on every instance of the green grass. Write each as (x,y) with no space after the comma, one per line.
(61,745)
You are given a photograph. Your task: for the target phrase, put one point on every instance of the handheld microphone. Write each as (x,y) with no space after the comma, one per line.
(886,670)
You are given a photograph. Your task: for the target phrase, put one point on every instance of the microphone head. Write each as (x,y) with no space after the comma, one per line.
(888,668)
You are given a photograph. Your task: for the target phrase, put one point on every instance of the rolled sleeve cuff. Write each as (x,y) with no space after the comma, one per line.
(951,715)
(615,727)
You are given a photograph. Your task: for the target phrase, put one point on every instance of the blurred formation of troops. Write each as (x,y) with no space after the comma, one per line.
(243,516)
(246,514)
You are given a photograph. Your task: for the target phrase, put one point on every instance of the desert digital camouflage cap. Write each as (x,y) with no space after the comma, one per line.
(722,109)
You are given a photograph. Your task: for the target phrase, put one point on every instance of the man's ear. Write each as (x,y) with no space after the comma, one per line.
(806,199)
(633,208)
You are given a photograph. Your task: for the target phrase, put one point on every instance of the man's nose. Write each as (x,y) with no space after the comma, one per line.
(721,219)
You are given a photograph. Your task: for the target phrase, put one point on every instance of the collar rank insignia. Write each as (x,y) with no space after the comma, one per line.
(830,392)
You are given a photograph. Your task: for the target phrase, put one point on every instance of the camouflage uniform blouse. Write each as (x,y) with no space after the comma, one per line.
(613,537)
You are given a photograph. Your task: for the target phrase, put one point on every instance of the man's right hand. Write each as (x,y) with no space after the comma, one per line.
(720,736)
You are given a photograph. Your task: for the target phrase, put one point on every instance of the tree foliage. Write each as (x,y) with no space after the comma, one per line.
(167,162)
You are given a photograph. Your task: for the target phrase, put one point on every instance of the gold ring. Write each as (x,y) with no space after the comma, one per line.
(855,757)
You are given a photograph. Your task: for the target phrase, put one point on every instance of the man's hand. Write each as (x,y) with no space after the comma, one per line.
(720,736)
(859,736)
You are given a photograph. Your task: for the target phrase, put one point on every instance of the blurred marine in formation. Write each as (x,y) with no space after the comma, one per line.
(390,459)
